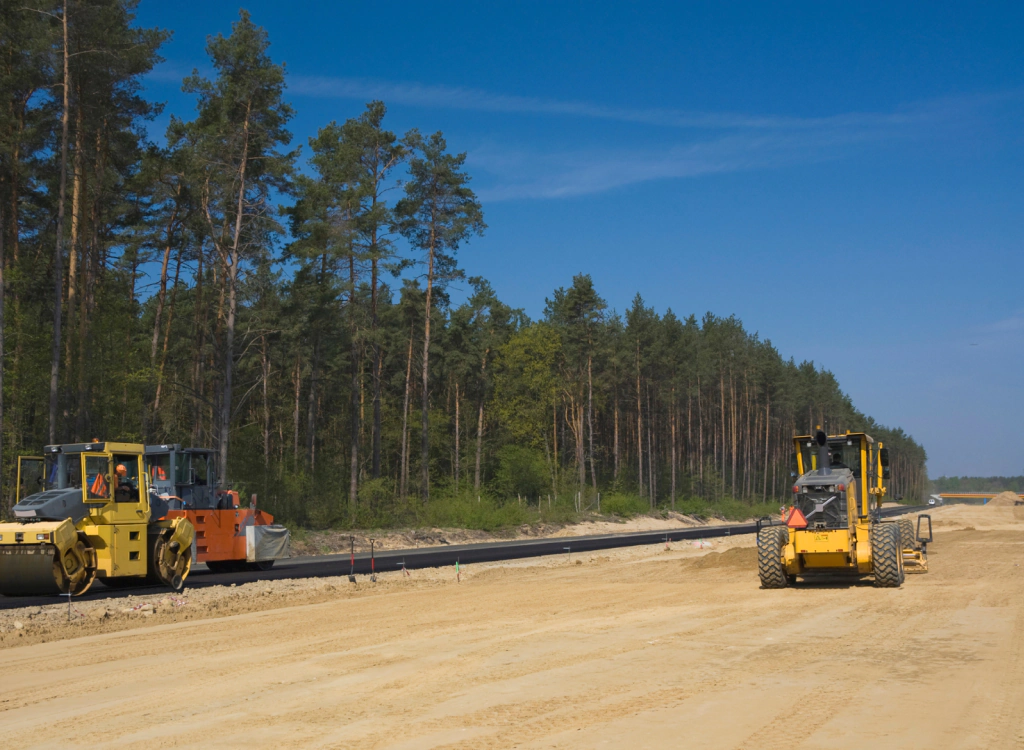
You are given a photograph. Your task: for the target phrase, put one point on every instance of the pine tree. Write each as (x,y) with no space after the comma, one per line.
(438,213)
(239,130)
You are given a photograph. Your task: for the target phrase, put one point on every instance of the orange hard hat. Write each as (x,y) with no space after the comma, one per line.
(121,470)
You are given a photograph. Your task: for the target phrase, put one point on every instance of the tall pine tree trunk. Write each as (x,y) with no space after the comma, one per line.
(58,247)
(265,377)
(639,425)
(458,447)
(232,292)
(403,482)
(311,403)
(615,444)
(767,422)
(74,248)
(672,427)
(480,425)
(590,420)
(353,481)
(297,382)
(167,334)
(425,434)
(161,294)
(375,365)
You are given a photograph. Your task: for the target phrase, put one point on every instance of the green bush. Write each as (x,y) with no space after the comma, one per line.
(378,504)
(727,509)
(522,472)
(626,506)
(469,512)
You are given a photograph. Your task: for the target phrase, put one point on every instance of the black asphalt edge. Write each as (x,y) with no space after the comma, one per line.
(432,557)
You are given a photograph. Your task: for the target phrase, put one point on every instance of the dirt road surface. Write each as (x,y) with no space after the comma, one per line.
(632,648)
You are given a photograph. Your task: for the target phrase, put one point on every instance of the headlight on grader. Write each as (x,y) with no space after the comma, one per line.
(42,537)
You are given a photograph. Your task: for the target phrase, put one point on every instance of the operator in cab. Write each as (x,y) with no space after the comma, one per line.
(127,488)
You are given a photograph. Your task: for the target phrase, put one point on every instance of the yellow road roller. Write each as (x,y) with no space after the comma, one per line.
(83,512)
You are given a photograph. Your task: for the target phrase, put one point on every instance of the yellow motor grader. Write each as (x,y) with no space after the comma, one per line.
(83,511)
(833,526)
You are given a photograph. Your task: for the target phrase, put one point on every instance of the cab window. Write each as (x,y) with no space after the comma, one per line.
(126,479)
(97,476)
(182,469)
(62,471)
(159,467)
(30,475)
(200,464)
(73,472)
(51,476)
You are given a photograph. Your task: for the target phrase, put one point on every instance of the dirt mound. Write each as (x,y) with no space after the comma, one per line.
(1004,499)
(737,557)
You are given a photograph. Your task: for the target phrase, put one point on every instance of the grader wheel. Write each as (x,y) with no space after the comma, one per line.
(770,542)
(886,555)
(908,539)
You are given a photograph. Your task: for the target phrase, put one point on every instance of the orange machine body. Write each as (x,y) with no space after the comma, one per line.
(220,534)
(184,484)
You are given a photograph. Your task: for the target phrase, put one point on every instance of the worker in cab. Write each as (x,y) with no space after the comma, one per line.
(159,473)
(126,491)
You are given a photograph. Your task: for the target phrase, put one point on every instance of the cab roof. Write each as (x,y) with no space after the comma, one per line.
(137,448)
(843,436)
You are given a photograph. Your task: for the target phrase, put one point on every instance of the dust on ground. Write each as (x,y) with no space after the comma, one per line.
(334,541)
(651,646)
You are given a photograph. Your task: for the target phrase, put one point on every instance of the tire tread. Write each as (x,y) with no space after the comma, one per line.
(770,569)
(886,555)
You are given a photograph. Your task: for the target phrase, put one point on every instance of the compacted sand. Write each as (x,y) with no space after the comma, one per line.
(648,647)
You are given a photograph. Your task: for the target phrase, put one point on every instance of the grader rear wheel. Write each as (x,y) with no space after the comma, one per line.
(908,539)
(770,569)
(886,555)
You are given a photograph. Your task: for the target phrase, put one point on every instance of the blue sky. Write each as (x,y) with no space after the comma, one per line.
(762,159)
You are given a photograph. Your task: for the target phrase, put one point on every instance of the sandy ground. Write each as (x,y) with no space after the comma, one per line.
(642,647)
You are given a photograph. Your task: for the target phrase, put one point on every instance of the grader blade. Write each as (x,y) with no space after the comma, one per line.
(915,561)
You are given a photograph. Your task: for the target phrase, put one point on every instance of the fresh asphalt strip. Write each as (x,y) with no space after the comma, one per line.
(323,566)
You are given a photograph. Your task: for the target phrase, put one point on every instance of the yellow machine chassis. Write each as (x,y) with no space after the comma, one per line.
(805,552)
(115,542)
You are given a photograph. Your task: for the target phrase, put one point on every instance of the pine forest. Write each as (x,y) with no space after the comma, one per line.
(300,308)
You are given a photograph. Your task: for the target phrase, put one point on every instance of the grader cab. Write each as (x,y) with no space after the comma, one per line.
(834,526)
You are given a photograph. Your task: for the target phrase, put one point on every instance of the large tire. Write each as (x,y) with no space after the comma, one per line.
(770,541)
(908,538)
(886,555)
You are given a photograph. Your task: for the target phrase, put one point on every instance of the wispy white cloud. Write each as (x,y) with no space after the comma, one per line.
(1012,324)
(528,174)
(458,97)
(700,142)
